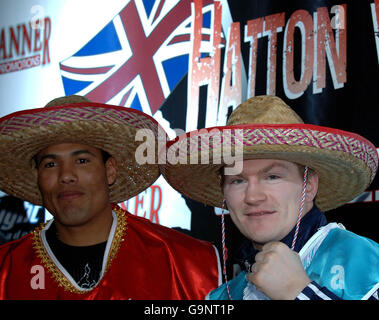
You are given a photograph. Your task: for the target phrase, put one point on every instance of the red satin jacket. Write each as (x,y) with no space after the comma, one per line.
(142,261)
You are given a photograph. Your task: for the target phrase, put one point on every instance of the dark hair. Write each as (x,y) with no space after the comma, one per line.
(222,176)
(105,155)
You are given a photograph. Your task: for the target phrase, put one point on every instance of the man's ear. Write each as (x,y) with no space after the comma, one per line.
(111,172)
(34,167)
(312,185)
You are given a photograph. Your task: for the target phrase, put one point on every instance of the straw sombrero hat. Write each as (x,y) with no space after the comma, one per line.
(265,127)
(74,119)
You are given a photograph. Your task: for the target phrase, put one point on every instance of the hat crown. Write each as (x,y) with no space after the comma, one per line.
(263,109)
(66,100)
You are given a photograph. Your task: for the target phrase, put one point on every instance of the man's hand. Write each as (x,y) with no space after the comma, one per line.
(278,272)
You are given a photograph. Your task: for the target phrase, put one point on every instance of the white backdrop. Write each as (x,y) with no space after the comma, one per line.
(73,23)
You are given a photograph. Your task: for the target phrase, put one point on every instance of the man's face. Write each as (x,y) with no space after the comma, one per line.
(73,181)
(264,200)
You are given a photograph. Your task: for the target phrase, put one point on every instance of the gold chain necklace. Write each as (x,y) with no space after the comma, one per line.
(57,274)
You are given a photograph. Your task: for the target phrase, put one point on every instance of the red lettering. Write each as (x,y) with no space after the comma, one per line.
(13,41)
(268,26)
(20,64)
(46,37)
(327,46)
(2,44)
(273,25)
(138,202)
(303,20)
(203,71)
(154,217)
(37,40)
(26,36)
(123,206)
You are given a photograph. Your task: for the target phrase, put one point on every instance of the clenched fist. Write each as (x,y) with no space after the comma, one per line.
(278,272)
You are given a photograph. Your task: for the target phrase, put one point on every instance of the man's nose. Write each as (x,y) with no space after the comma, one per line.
(67,174)
(254,193)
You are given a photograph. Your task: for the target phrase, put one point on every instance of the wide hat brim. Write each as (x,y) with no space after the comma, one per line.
(345,162)
(106,127)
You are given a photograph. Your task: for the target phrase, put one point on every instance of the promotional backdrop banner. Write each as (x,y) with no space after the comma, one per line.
(190,63)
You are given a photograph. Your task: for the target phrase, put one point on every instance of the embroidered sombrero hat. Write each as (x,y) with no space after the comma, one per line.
(74,119)
(265,127)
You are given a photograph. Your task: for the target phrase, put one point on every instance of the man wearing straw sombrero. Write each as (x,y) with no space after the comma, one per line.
(77,158)
(285,175)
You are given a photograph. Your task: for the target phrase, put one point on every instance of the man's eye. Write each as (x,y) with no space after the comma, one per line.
(273,177)
(236,181)
(50,164)
(82,161)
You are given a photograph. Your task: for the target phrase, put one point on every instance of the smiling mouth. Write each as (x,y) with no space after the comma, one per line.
(259,213)
(69,195)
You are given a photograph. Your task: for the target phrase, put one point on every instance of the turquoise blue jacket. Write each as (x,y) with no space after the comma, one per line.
(343,262)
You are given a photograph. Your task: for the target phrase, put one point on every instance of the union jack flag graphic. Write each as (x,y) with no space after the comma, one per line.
(139,57)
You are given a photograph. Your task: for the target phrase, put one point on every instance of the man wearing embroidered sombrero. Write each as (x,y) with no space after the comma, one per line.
(77,158)
(289,174)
